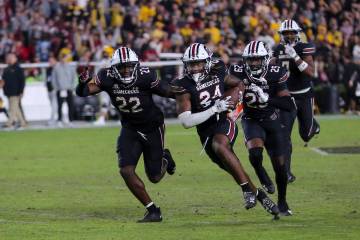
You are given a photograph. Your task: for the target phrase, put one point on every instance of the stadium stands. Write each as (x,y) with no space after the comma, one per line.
(86,30)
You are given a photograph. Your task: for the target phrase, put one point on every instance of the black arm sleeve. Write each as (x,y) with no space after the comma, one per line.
(82,89)
(163,89)
(285,103)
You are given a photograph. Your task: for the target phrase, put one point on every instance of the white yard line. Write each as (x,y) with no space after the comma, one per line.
(321,152)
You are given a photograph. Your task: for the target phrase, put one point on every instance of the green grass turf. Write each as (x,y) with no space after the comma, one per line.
(64,184)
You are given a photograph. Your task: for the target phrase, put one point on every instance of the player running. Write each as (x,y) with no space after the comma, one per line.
(201,103)
(264,92)
(297,57)
(130,88)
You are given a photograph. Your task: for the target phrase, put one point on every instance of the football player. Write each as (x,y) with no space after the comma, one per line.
(297,57)
(130,88)
(264,91)
(200,102)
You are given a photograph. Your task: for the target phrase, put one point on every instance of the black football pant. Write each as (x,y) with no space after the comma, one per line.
(131,144)
(307,123)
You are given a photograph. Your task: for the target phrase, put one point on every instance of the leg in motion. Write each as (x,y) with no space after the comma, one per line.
(255,147)
(287,120)
(129,148)
(308,126)
(223,150)
(137,187)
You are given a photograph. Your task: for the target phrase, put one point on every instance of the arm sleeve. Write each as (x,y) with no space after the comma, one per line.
(82,89)
(189,119)
(177,88)
(161,87)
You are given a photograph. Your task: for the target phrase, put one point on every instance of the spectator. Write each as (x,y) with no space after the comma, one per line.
(40,29)
(14,84)
(63,79)
(50,90)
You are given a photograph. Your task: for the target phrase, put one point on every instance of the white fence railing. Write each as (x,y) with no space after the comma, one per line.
(35,101)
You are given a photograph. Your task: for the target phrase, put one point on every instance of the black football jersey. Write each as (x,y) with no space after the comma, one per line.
(134,101)
(297,80)
(205,93)
(275,77)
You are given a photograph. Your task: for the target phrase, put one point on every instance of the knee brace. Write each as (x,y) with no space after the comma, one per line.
(255,156)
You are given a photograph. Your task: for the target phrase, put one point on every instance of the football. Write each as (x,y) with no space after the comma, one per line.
(234,94)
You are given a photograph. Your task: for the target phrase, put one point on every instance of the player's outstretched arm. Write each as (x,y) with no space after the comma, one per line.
(86,85)
(164,89)
(188,119)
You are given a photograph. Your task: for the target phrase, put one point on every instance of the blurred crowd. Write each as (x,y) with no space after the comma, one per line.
(84,30)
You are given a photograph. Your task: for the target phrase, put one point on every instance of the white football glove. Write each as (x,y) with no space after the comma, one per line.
(289,50)
(222,105)
(262,96)
(263,81)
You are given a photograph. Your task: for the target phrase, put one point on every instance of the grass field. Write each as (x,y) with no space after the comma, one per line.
(64,184)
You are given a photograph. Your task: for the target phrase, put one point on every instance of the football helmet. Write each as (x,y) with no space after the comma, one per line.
(124,63)
(256,58)
(197,61)
(289,32)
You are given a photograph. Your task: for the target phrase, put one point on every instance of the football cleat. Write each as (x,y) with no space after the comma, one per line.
(152,216)
(250,199)
(270,188)
(268,204)
(265,180)
(290,177)
(171,167)
(284,209)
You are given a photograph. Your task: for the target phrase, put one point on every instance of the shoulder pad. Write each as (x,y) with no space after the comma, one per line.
(237,70)
(218,65)
(103,75)
(276,73)
(307,48)
(148,76)
(178,86)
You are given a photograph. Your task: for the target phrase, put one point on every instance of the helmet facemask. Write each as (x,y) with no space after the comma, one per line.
(197,69)
(125,72)
(290,37)
(256,65)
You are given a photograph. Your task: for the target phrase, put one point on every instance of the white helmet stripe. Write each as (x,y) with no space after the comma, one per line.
(257,46)
(128,53)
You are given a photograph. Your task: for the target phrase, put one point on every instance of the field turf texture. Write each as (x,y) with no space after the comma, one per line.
(64,184)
